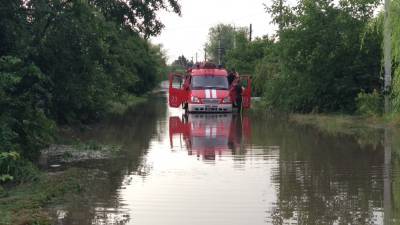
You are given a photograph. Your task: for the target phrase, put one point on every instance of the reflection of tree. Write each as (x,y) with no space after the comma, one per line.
(396,177)
(102,179)
(396,189)
(322,179)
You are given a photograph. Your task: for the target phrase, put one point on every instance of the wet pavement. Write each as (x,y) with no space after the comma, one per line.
(231,169)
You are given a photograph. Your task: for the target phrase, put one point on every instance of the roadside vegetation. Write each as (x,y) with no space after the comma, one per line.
(24,204)
(64,63)
(326,58)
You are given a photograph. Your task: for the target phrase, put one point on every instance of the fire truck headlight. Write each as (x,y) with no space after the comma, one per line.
(226,100)
(195,99)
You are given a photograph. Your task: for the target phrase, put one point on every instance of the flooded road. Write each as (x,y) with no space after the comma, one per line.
(226,169)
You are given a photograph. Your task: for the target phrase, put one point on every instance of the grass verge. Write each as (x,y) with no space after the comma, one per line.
(334,124)
(124,103)
(366,130)
(23,204)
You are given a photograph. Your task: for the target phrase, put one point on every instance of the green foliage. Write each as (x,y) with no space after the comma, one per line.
(255,58)
(12,27)
(138,16)
(395,27)
(369,104)
(227,34)
(15,169)
(182,62)
(80,87)
(325,56)
(124,103)
(24,204)
(90,60)
(23,105)
(68,61)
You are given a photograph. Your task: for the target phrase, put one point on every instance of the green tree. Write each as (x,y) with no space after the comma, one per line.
(181,61)
(71,52)
(67,60)
(139,16)
(90,58)
(224,34)
(13,26)
(326,58)
(395,27)
(24,102)
(254,58)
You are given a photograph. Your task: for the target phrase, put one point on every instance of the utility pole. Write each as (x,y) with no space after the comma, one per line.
(196,57)
(205,55)
(251,32)
(387,56)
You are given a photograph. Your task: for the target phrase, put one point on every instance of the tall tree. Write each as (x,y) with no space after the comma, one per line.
(221,39)
(139,16)
(395,26)
(13,26)
(324,61)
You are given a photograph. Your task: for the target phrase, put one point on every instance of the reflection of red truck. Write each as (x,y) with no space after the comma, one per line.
(209,135)
(206,89)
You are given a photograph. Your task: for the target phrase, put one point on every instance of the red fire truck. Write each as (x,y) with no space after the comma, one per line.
(205,88)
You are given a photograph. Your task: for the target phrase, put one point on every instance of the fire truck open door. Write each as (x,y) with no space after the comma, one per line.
(177,126)
(176,92)
(246,95)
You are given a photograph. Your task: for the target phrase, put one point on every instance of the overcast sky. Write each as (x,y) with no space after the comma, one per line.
(187,34)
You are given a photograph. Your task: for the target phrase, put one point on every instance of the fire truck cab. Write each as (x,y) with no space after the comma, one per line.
(205,88)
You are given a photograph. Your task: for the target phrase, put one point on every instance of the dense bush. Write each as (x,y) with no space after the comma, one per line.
(324,54)
(250,57)
(14,168)
(369,104)
(24,104)
(326,57)
(395,25)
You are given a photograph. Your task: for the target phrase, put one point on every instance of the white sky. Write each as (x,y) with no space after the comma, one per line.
(187,34)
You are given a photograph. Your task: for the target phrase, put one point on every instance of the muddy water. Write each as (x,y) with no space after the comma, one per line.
(224,169)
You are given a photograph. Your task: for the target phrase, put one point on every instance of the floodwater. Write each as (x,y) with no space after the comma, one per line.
(227,169)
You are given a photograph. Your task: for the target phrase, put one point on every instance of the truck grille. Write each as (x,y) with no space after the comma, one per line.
(211,101)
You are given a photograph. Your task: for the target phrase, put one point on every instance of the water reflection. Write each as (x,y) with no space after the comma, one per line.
(211,135)
(105,179)
(227,169)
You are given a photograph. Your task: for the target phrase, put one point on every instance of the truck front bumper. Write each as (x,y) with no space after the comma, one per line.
(220,108)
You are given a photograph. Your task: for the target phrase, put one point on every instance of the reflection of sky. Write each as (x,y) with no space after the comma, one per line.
(217,142)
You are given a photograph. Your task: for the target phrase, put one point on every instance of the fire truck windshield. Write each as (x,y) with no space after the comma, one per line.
(215,82)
